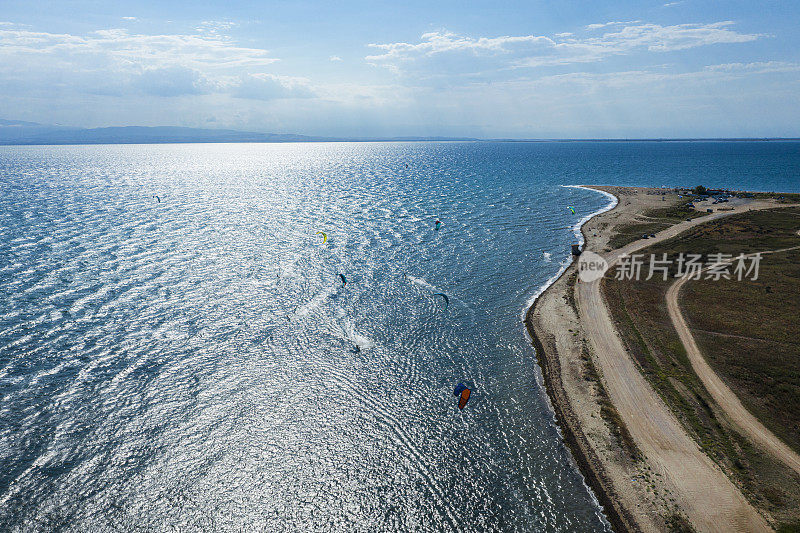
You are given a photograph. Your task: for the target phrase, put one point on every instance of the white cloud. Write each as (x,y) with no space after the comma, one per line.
(441,42)
(653,77)
(271,87)
(643,102)
(451,52)
(126,50)
(215,27)
(758,67)
(335,58)
(117,62)
(611,23)
(654,37)
(130,19)
(170,81)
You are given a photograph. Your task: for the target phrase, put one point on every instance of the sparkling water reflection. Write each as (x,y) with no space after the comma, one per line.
(192,362)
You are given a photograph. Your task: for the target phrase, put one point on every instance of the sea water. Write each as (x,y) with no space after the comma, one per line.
(177,348)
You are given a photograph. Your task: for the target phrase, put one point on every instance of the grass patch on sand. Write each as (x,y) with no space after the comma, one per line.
(677,523)
(654,221)
(748,332)
(569,295)
(608,412)
(781,197)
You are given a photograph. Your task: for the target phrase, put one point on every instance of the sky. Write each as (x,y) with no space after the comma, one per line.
(516,69)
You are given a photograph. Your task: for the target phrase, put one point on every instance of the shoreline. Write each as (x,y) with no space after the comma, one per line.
(577,230)
(586,459)
(639,461)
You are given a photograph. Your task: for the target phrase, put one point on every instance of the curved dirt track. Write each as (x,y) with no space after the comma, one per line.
(722,394)
(709,499)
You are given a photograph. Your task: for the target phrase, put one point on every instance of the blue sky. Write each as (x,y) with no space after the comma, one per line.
(536,69)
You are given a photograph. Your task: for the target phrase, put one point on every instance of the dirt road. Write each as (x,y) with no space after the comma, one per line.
(722,394)
(709,499)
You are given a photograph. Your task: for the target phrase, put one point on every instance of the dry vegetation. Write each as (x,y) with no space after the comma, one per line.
(652,221)
(748,330)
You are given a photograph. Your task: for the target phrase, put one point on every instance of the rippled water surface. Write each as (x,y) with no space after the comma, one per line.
(196,361)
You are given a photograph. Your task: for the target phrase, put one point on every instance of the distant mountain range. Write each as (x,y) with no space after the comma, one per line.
(20,132)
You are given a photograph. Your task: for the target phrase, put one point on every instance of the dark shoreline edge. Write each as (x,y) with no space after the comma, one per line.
(577,443)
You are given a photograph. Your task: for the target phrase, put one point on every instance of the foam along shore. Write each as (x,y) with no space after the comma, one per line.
(646,471)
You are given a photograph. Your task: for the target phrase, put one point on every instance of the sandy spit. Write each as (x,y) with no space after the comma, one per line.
(572,332)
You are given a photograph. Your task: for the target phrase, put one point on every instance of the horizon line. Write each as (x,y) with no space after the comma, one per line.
(321,140)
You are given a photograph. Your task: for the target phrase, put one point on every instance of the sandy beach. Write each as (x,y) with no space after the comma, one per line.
(645,469)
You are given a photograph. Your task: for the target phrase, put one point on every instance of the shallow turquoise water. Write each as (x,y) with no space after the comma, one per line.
(192,362)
